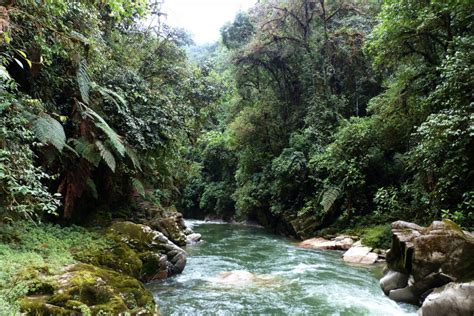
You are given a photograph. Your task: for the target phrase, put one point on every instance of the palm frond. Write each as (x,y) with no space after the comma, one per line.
(49,131)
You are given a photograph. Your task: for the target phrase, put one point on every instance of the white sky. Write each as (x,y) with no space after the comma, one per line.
(203,18)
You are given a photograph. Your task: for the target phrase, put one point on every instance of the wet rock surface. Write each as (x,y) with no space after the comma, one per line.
(432,266)
(338,243)
(360,254)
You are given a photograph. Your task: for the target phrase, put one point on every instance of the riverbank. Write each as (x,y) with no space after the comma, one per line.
(48,269)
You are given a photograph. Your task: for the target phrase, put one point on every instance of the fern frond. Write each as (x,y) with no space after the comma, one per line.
(106,155)
(113,137)
(83,81)
(329,197)
(110,95)
(49,131)
(133,157)
(92,188)
(138,186)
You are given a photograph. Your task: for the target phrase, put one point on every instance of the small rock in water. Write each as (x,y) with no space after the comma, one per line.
(241,278)
(193,238)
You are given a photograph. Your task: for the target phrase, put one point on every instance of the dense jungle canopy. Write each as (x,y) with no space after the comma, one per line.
(307,114)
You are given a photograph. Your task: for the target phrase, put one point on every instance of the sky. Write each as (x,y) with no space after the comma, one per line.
(203,18)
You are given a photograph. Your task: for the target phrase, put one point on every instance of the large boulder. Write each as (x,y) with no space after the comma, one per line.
(159,256)
(86,289)
(170,224)
(428,257)
(451,299)
(167,220)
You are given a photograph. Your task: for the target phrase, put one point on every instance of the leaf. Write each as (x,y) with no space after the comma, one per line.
(22,53)
(19,63)
(113,137)
(329,197)
(138,186)
(83,81)
(106,155)
(49,131)
(92,187)
(133,157)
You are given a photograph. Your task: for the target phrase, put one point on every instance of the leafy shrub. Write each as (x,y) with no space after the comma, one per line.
(378,236)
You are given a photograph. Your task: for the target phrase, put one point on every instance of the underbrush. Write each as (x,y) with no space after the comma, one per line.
(29,250)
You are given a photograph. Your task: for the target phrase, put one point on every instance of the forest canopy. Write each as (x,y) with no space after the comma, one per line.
(307,114)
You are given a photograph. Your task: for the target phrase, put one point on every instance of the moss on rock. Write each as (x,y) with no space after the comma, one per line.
(99,290)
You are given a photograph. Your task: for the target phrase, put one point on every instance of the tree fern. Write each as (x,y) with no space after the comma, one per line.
(106,155)
(49,131)
(83,81)
(329,196)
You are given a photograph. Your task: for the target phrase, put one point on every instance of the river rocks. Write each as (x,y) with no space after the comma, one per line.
(193,238)
(338,243)
(393,280)
(87,289)
(160,257)
(451,299)
(359,254)
(429,258)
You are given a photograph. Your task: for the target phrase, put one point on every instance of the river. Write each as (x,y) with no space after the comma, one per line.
(285,280)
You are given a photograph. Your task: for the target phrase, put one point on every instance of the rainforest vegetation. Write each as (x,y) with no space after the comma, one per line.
(306,116)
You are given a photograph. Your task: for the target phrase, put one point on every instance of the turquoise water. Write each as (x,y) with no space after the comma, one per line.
(271,277)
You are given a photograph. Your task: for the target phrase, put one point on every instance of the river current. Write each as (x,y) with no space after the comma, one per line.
(242,270)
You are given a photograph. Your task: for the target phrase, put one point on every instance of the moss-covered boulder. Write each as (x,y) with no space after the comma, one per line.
(430,257)
(171,225)
(84,288)
(160,257)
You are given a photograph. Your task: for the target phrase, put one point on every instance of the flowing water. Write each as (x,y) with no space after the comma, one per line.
(271,277)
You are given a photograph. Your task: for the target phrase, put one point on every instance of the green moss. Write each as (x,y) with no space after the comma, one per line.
(132,234)
(38,306)
(32,263)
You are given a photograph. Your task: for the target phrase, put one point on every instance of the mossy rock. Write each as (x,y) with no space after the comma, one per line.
(98,290)
(119,257)
(140,237)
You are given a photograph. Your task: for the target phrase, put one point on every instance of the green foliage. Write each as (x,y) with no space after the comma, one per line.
(28,251)
(49,131)
(377,237)
(23,194)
